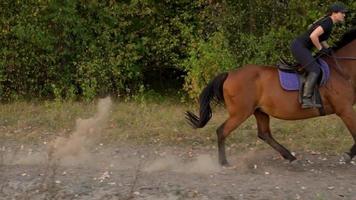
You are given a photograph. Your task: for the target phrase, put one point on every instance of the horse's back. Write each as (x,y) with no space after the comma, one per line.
(247,78)
(257,87)
(252,71)
(243,88)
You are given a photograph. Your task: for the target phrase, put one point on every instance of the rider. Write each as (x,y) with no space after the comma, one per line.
(316,36)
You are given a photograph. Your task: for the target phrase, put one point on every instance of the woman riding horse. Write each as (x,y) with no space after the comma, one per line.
(316,36)
(256,90)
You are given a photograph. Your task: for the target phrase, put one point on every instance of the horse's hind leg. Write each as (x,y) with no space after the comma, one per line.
(348,116)
(239,111)
(264,133)
(223,131)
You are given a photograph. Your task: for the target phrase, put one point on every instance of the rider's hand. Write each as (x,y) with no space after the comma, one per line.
(325,51)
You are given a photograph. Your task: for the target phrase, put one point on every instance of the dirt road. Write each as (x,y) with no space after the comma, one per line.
(173,173)
(79,166)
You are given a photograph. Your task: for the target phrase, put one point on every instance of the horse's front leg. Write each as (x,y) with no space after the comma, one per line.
(348,116)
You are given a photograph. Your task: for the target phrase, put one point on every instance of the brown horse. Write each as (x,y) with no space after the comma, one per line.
(255,90)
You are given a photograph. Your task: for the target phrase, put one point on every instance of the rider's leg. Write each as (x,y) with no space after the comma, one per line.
(305,57)
(309,86)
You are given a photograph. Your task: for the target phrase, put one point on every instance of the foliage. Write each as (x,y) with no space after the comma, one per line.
(205,61)
(263,30)
(70,49)
(81,49)
(257,32)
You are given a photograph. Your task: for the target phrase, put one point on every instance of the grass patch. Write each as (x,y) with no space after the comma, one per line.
(164,123)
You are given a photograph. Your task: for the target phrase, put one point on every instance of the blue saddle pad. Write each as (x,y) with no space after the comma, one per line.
(290,81)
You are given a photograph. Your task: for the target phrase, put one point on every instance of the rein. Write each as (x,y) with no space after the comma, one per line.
(338,68)
(345,58)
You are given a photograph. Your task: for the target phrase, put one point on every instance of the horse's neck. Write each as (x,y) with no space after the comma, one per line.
(348,50)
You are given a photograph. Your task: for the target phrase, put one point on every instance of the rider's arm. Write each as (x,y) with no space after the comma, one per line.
(314,36)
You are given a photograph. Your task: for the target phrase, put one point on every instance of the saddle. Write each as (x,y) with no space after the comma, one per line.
(286,66)
(292,78)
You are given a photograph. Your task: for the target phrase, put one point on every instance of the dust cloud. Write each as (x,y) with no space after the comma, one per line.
(74,148)
(25,159)
(203,164)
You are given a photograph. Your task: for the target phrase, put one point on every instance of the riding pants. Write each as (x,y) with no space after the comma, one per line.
(304,56)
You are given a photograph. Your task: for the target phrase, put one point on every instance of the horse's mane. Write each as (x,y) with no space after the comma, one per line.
(348,37)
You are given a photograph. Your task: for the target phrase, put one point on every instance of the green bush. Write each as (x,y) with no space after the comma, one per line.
(77,49)
(206,60)
(254,32)
(83,49)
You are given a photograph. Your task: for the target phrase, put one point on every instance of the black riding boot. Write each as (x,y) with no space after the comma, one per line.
(309,86)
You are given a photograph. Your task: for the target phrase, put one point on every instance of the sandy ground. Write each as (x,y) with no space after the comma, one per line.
(79,167)
(171,173)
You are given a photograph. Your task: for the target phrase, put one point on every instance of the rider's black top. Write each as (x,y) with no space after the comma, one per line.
(327,25)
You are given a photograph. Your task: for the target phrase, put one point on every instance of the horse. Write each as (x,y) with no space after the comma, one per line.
(256,90)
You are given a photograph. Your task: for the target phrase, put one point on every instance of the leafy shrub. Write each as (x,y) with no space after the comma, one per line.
(80,49)
(206,60)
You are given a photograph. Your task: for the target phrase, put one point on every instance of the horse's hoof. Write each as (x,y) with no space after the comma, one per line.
(290,156)
(292,159)
(297,165)
(228,166)
(225,164)
(345,158)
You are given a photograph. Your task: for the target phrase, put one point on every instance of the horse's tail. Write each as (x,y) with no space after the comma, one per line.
(213,89)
